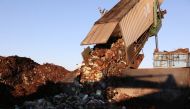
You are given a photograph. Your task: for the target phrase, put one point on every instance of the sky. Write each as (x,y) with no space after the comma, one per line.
(52,30)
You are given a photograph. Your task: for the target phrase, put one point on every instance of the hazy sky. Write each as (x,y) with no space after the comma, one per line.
(52,30)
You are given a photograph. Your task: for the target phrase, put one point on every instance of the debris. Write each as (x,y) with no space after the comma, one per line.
(85,97)
(103,61)
(65,100)
(98,92)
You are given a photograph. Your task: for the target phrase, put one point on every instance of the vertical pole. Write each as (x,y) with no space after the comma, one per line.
(156,41)
(188,60)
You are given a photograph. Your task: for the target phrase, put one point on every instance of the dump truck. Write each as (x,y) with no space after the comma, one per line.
(132,22)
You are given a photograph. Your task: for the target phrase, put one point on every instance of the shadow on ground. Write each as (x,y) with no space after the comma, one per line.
(157,100)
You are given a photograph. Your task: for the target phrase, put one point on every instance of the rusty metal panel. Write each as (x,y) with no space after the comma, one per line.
(99,33)
(137,21)
(155,94)
(118,11)
(153,84)
(126,93)
(163,77)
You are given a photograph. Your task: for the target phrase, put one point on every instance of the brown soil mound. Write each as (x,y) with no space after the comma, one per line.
(22,76)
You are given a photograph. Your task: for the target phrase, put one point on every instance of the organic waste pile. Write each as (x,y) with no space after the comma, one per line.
(28,85)
(20,77)
(23,78)
(104,61)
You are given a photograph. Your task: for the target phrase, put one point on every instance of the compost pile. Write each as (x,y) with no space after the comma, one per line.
(23,83)
(104,61)
(89,90)
(23,77)
(20,76)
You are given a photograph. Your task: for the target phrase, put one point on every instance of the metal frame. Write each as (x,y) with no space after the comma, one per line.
(171,59)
